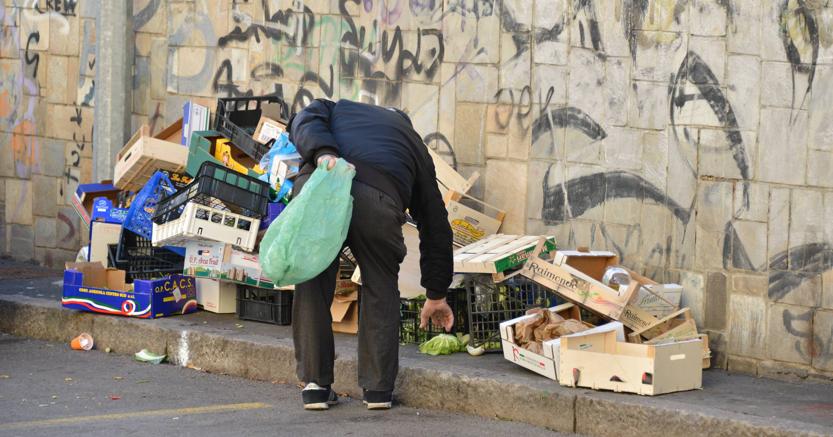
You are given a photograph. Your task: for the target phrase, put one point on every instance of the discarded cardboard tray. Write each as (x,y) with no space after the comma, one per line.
(92,287)
(576,276)
(678,326)
(214,260)
(498,253)
(600,361)
(268,129)
(144,154)
(85,195)
(659,300)
(469,225)
(345,313)
(547,363)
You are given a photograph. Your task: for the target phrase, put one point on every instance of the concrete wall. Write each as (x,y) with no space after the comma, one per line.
(692,137)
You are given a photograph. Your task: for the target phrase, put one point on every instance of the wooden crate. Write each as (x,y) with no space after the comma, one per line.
(469,225)
(599,361)
(498,253)
(144,154)
(577,276)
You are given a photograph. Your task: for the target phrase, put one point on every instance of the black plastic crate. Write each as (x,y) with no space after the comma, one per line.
(491,303)
(141,260)
(237,119)
(409,311)
(217,187)
(264,305)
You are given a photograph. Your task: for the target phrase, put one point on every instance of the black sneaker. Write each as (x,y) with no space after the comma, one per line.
(378,400)
(318,398)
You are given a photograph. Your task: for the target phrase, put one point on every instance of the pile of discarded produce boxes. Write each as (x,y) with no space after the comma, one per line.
(610,328)
(178,226)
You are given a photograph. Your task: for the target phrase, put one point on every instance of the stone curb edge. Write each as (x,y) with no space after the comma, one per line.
(416,387)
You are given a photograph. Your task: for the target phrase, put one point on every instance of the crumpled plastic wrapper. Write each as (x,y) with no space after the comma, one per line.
(531,334)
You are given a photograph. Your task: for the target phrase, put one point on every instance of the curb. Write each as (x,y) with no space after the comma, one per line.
(269,359)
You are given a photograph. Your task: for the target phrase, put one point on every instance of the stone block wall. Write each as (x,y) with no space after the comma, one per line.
(692,137)
(47,89)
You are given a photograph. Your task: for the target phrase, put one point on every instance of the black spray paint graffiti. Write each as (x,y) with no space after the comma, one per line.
(634,14)
(791,268)
(567,117)
(34,59)
(734,252)
(809,345)
(798,31)
(294,27)
(565,201)
(584,12)
(521,41)
(694,71)
(440,144)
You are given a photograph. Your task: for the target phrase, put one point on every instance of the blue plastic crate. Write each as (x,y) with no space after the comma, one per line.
(139,216)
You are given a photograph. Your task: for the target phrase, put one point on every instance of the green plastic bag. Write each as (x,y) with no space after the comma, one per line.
(308,235)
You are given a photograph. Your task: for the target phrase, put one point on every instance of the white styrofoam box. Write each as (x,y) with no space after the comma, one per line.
(201,222)
(217,296)
(546,364)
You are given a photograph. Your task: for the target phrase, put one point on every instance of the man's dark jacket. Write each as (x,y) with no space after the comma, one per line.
(390,156)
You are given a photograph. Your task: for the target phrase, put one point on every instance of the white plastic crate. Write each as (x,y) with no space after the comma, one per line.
(202,222)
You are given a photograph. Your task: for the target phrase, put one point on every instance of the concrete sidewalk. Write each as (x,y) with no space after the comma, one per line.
(487,386)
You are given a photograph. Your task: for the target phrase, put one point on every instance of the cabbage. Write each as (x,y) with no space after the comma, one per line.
(443,344)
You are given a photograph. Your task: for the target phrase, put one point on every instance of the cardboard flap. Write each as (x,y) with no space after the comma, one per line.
(95,275)
(352,296)
(271,110)
(116,279)
(339,310)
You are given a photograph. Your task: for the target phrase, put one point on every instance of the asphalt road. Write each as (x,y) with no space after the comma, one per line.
(48,389)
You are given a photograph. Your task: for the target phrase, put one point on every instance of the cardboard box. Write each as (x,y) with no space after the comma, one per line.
(102,235)
(345,312)
(545,364)
(212,146)
(216,296)
(86,194)
(268,129)
(469,225)
(577,276)
(223,262)
(659,300)
(104,211)
(195,117)
(92,287)
(601,361)
(144,154)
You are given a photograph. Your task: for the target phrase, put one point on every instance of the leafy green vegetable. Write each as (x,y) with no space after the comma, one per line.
(443,344)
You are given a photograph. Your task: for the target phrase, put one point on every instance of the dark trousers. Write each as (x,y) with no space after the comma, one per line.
(375,239)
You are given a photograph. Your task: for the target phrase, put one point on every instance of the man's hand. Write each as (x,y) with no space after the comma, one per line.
(438,312)
(329,159)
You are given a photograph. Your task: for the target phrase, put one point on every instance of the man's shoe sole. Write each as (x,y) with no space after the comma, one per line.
(320,406)
(378,405)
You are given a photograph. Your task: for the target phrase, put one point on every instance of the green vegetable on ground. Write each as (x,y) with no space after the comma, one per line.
(444,344)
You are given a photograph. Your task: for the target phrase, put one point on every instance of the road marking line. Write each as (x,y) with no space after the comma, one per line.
(149,413)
